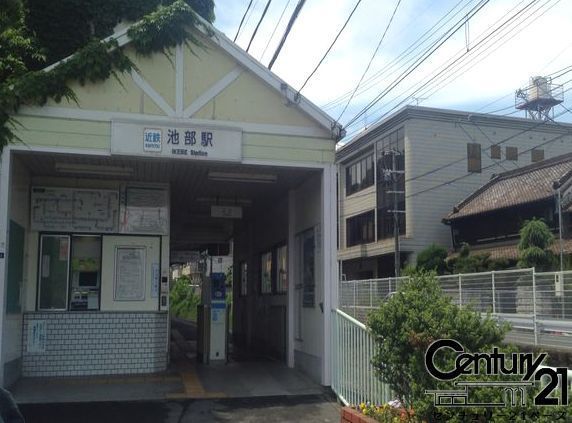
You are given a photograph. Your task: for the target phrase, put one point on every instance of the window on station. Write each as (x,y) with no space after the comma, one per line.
(359,175)
(70,272)
(511,153)
(360,229)
(243,279)
(282,269)
(536,155)
(266,273)
(474,158)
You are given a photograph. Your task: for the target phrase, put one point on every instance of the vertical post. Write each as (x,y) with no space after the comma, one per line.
(355,298)
(370,293)
(534,320)
(494,291)
(329,262)
(5,173)
(559,205)
(397,254)
(292,275)
(460,289)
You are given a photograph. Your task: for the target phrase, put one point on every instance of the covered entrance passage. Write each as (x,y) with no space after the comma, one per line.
(186,153)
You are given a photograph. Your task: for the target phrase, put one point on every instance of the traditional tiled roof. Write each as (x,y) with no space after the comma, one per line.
(510,251)
(524,185)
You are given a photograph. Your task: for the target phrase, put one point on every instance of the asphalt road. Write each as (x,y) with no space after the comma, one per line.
(252,410)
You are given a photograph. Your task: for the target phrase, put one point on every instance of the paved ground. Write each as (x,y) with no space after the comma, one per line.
(278,409)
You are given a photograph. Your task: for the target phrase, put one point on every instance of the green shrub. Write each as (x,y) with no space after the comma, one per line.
(184,299)
(433,258)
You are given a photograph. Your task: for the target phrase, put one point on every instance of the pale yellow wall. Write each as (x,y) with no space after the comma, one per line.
(57,132)
(248,99)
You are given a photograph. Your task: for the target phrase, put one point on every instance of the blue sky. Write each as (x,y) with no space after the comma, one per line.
(530,44)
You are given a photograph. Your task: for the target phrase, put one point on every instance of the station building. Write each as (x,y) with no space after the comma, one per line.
(191,149)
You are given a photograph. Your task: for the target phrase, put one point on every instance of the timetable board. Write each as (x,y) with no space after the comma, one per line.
(74,210)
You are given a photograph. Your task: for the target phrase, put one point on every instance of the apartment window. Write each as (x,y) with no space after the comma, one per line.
(243,279)
(537,155)
(390,156)
(360,229)
(282,269)
(359,175)
(495,152)
(266,273)
(511,153)
(70,272)
(307,244)
(474,158)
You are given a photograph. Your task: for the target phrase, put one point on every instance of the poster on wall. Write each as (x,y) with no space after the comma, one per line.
(129,274)
(74,210)
(145,211)
(36,342)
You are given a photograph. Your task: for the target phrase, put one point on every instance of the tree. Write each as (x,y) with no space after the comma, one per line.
(408,322)
(473,263)
(405,325)
(433,258)
(53,30)
(533,248)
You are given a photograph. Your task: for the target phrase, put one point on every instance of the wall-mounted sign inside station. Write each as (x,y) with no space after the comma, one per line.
(178,141)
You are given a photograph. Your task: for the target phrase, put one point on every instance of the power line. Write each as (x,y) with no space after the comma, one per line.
(242,20)
(371,59)
(331,46)
(293,18)
(258,24)
(383,72)
(435,46)
(275,29)
(433,80)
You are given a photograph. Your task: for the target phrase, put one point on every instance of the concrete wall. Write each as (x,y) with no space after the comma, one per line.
(97,343)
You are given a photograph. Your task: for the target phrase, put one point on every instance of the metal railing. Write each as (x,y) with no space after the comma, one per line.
(538,305)
(354,379)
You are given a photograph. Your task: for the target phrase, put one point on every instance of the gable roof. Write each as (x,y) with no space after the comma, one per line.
(292,97)
(516,187)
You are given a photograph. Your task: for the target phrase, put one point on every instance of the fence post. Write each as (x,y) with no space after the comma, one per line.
(494,291)
(534,321)
(370,293)
(460,290)
(355,299)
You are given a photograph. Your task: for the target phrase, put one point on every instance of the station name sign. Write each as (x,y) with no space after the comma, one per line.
(178,141)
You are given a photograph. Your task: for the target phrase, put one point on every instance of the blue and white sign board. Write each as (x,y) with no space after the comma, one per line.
(176,140)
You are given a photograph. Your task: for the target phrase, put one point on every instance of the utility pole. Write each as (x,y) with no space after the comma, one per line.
(394,172)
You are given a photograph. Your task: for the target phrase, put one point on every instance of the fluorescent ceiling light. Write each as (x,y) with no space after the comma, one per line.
(260,178)
(84,169)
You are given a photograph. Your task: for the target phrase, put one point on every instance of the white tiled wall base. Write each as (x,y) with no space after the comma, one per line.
(97,343)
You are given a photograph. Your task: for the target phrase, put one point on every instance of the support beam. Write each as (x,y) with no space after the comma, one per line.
(329,263)
(154,95)
(5,174)
(212,92)
(179,79)
(291,270)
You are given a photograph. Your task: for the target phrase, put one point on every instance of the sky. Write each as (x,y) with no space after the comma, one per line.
(484,78)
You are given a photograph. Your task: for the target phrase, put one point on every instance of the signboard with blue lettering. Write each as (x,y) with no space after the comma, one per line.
(177,140)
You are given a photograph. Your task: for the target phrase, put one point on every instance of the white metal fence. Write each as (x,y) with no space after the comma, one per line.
(538,305)
(353,377)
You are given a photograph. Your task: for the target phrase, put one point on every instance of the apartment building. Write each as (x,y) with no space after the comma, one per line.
(422,162)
